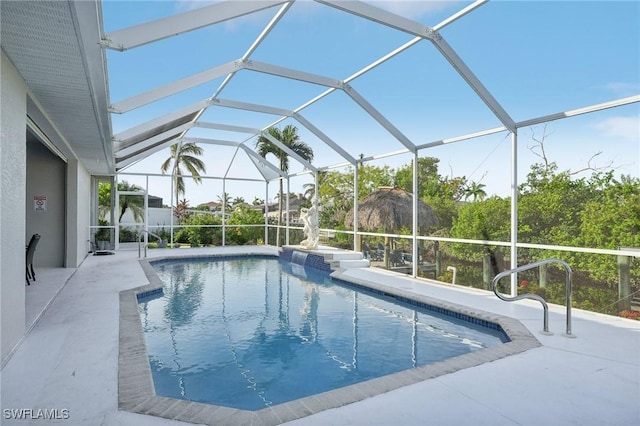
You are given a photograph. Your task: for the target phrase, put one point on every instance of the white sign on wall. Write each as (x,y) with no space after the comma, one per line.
(40,203)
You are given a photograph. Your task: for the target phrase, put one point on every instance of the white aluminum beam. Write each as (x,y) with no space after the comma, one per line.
(381,16)
(173,88)
(126,150)
(459,14)
(288,150)
(290,73)
(251,107)
(392,20)
(579,111)
(462,137)
(473,81)
(163,119)
(281,12)
(262,160)
(159,29)
(383,59)
(379,117)
(326,139)
(205,141)
(120,164)
(227,127)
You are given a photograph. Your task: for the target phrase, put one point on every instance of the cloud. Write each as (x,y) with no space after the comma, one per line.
(626,128)
(622,89)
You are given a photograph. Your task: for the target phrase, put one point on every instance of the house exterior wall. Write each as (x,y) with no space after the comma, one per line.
(13,125)
(46,175)
(78,213)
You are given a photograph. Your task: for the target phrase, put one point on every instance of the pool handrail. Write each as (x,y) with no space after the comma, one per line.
(567,268)
(144,231)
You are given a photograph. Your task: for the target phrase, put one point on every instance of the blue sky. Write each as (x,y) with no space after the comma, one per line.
(536,58)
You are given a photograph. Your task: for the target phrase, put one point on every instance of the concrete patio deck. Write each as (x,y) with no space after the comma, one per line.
(68,361)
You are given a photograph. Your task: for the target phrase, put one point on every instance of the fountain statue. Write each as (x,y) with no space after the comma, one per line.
(311,230)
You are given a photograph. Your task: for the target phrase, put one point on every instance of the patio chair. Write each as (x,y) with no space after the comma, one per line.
(397,258)
(366,251)
(31,249)
(378,254)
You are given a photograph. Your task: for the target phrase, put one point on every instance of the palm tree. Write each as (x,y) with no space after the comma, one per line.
(184,154)
(475,190)
(132,202)
(224,199)
(237,202)
(290,138)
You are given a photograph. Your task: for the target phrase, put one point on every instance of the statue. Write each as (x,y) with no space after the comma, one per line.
(309,218)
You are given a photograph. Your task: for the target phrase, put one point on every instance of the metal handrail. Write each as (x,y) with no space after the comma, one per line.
(144,231)
(567,269)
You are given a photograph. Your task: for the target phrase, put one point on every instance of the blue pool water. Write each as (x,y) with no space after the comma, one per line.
(252,332)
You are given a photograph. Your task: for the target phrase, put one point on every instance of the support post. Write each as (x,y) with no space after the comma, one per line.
(624,282)
(514,212)
(542,269)
(487,275)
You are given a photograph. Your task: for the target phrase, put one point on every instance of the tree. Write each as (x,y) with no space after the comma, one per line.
(335,190)
(440,192)
(289,138)
(475,191)
(224,199)
(487,220)
(183,155)
(238,201)
(131,202)
(181,210)
(104,201)
(241,235)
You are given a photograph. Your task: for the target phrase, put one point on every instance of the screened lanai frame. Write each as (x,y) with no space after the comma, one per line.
(141,140)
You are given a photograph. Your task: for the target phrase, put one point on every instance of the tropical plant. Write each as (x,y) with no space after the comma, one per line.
(475,191)
(183,155)
(237,201)
(181,210)
(241,235)
(225,199)
(288,137)
(104,201)
(135,203)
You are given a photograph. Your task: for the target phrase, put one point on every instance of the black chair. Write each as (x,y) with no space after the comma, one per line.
(366,251)
(31,249)
(396,258)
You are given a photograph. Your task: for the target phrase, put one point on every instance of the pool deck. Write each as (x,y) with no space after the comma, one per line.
(69,359)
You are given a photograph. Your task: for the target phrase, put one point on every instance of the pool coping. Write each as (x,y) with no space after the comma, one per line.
(136,391)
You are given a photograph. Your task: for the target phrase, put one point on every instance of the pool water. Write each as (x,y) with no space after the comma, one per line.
(252,332)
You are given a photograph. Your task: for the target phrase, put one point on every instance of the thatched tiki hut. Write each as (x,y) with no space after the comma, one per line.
(391,209)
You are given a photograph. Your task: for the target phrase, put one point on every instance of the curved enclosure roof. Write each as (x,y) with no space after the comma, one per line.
(372,81)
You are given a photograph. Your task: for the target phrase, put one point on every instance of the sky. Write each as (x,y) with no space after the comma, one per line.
(535,57)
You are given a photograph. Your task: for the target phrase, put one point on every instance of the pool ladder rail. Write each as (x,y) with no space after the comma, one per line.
(144,231)
(567,269)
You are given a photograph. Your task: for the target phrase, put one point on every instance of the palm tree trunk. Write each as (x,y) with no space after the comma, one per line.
(280,195)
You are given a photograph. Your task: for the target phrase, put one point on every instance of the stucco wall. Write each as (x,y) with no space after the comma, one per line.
(46,178)
(78,213)
(13,125)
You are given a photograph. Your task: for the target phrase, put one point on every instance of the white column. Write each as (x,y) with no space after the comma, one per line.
(514,211)
(414,252)
(13,155)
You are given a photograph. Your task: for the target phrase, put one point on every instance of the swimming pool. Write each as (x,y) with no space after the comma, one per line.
(254,332)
